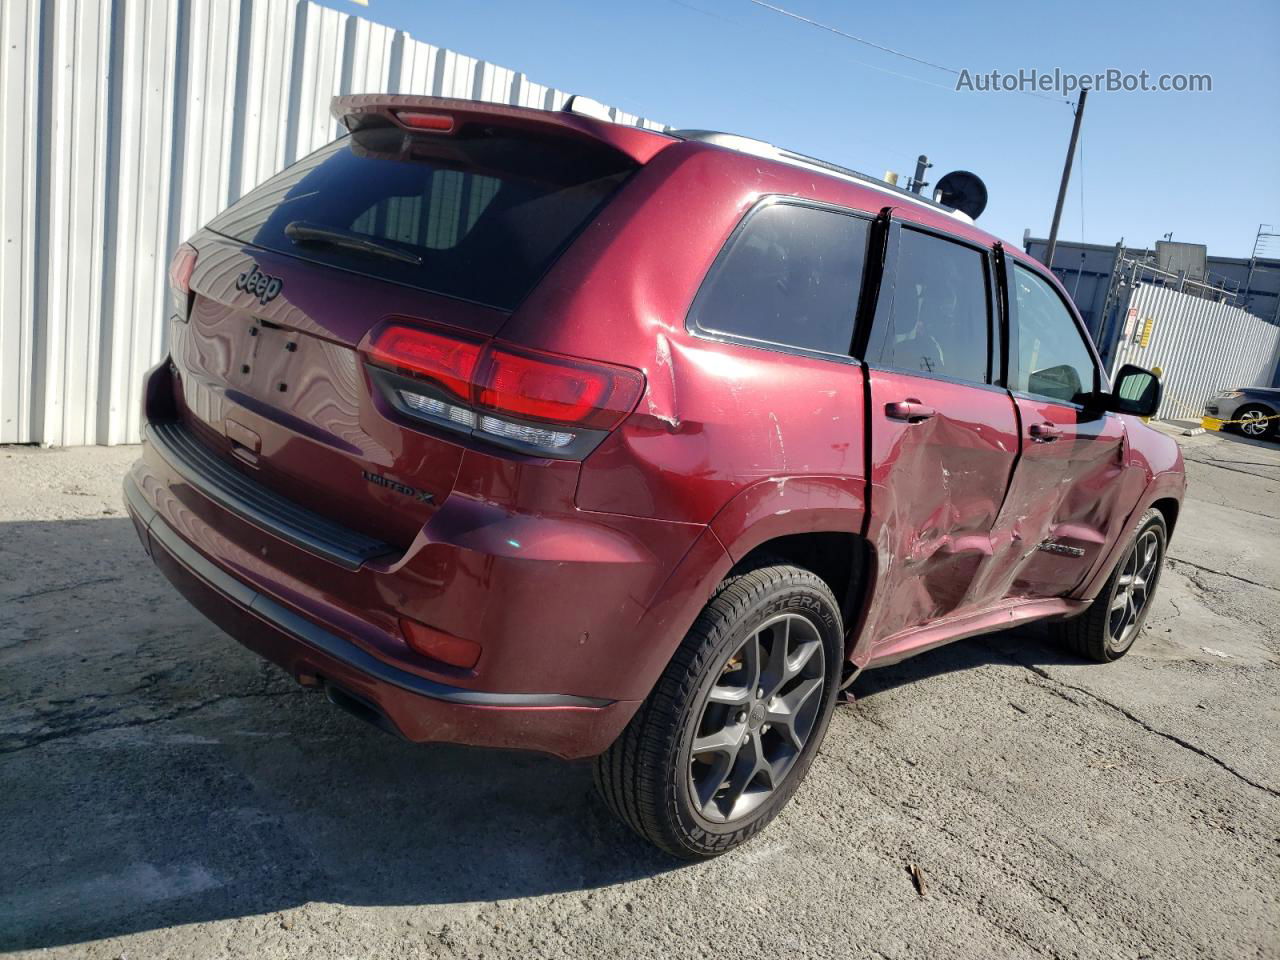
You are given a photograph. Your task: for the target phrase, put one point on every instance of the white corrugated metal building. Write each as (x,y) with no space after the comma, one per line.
(127,124)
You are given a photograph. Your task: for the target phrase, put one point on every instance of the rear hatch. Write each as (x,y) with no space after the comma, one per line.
(443,213)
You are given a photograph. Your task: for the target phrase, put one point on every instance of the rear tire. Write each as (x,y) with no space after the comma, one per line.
(1107,630)
(729,731)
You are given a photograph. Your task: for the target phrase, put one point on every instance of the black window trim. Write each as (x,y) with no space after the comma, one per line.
(879,316)
(1101,382)
(719,336)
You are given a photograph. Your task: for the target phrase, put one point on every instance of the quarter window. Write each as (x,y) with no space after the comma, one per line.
(939,319)
(789,276)
(1053,360)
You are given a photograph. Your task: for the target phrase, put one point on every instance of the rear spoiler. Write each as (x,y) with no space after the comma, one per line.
(435,113)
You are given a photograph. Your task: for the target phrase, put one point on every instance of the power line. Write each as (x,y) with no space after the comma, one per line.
(861,63)
(897,53)
(849,36)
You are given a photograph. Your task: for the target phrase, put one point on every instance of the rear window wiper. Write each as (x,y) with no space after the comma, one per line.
(300,231)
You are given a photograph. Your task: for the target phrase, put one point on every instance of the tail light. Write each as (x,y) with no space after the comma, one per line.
(447,361)
(181,267)
(531,401)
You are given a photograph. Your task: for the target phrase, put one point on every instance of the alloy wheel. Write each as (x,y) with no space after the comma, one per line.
(1254,423)
(1133,590)
(756,718)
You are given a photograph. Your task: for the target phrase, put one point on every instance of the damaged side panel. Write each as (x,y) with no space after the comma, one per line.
(936,492)
(1066,503)
(698,439)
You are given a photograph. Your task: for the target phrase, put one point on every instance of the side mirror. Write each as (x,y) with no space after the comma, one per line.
(1136,391)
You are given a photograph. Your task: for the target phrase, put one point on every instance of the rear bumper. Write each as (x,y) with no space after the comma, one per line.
(417,707)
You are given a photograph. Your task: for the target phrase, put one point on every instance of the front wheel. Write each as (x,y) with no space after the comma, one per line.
(730,729)
(1107,629)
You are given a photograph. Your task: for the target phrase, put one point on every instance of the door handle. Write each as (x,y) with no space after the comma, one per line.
(911,410)
(1044,432)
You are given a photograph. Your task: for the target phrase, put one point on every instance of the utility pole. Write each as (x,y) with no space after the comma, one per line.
(1066,178)
(918,182)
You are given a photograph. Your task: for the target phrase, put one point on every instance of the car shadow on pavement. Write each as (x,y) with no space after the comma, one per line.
(153,772)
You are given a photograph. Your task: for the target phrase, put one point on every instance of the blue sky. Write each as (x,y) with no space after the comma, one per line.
(1152,162)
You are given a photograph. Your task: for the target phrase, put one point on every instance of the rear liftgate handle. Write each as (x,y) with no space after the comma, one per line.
(911,410)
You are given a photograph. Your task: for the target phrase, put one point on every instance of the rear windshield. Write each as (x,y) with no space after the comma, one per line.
(479,215)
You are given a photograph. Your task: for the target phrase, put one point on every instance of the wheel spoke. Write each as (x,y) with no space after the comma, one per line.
(724,740)
(785,710)
(784,723)
(1131,565)
(795,700)
(745,767)
(778,670)
(730,696)
(751,661)
(1121,600)
(1152,565)
(804,653)
(706,788)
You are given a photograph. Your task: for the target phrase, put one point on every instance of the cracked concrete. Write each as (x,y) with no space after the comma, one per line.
(163,793)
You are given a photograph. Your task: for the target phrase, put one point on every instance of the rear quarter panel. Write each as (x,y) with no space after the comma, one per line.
(716,418)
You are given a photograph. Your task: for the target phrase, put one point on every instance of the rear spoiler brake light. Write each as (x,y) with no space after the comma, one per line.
(412,112)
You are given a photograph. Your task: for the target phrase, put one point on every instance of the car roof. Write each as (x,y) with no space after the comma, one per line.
(768,151)
(867,192)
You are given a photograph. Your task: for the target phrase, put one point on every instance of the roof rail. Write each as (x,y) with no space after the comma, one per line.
(760,148)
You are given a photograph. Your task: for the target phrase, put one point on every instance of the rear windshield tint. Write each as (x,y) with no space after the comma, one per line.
(479,216)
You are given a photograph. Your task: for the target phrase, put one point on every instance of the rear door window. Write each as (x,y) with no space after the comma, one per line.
(1053,361)
(480,215)
(790,276)
(939,320)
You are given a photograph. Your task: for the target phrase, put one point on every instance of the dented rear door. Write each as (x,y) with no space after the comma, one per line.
(944,431)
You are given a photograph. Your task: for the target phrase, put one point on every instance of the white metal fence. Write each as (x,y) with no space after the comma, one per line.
(1200,346)
(124,125)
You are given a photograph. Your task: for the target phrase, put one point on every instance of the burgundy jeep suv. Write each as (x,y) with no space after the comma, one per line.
(519,428)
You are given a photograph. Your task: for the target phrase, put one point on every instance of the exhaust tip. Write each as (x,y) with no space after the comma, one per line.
(362,709)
